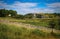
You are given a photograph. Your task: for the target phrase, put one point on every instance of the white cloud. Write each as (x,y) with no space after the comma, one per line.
(24,8)
(24,5)
(54,5)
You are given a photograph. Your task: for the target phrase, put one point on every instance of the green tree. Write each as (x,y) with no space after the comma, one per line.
(20,16)
(5,13)
(29,16)
(13,13)
(38,16)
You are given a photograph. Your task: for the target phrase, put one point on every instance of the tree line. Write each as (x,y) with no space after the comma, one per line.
(12,13)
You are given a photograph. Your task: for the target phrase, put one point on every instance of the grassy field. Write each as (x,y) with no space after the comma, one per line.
(36,22)
(14,32)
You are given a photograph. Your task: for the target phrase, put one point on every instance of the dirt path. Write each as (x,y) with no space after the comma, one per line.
(44,29)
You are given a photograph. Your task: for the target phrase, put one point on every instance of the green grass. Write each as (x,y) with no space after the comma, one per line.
(36,22)
(13,32)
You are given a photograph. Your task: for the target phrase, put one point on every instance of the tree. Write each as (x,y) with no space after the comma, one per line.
(6,13)
(3,13)
(13,13)
(38,16)
(19,16)
(29,16)
(57,14)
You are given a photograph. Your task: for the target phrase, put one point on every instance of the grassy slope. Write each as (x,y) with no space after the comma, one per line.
(14,32)
(37,22)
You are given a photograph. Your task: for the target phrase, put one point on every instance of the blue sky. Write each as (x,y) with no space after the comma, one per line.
(31,6)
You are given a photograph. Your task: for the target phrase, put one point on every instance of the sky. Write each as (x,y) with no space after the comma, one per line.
(31,6)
